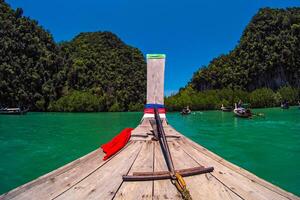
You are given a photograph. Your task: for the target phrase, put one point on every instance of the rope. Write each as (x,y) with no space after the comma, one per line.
(181,187)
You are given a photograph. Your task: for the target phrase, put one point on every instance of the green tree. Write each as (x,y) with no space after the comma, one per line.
(268,55)
(263,97)
(290,94)
(38,73)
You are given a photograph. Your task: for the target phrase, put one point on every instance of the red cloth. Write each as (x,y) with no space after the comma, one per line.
(117,143)
(151,110)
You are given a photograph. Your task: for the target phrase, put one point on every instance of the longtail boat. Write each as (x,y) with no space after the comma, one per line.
(285,105)
(13,111)
(158,162)
(242,112)
(226,108)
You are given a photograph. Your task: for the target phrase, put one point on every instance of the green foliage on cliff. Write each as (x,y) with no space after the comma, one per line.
(267,59)
(263,97)
(213,99)
(268,55)
(204,100)
(31,67)
(77,101)
(37,72)
(102,62)
(292,95)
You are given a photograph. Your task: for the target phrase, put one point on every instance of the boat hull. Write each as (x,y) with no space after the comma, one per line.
(226,109)
(243,114)
(23,112)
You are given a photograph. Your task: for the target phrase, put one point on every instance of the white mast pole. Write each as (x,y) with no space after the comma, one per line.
(155,83)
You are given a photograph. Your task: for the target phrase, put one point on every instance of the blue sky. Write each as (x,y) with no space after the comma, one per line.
(189,32)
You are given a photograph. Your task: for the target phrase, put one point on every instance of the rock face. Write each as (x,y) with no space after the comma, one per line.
(268,55)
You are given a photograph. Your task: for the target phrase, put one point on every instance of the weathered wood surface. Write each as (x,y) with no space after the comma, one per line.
(203,186)
(105,181)
(162,189)
(143,163)
(155,81)
(91,178)
(57,181)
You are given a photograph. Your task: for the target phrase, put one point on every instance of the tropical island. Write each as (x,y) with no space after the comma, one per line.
(88,73)
(263,69)
(91,72)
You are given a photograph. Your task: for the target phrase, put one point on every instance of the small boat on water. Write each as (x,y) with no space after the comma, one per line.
(13,111)
(285,105)
(226,108)
(242,112)
(186,111)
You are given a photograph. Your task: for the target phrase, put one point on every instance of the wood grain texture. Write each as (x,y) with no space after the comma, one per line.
(59,180)
(140,189)
(241,171)
(155,81)
(203,186)
(163,189)
(241,185)
(105,181)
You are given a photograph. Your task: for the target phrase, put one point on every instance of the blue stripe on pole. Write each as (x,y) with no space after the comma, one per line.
(154,106)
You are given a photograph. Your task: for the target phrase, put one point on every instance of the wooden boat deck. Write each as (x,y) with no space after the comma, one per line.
(92,178)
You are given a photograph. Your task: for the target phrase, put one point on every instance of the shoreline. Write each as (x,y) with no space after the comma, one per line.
(291,106)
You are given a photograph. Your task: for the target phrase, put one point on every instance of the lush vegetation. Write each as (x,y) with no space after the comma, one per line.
(213,99)
(263,69)
(78,101)
(268,55)
(102,64)
(93,72)
(31,66)
(98,72)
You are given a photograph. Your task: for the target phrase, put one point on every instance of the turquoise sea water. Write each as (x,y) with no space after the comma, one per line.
(37,143)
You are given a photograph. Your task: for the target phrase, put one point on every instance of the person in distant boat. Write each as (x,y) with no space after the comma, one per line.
(240,103)
(186,110)
(285,104)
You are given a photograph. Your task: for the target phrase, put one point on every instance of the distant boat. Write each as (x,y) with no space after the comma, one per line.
(226,109)
(186,111)
(242,112)
(285,105)
(13,111)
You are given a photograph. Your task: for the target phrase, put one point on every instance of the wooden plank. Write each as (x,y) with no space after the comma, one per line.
(241,185)
(163,189)
(140,189)
(105,181)
(59,180)
(242,171)
(141,132)
(203,186)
